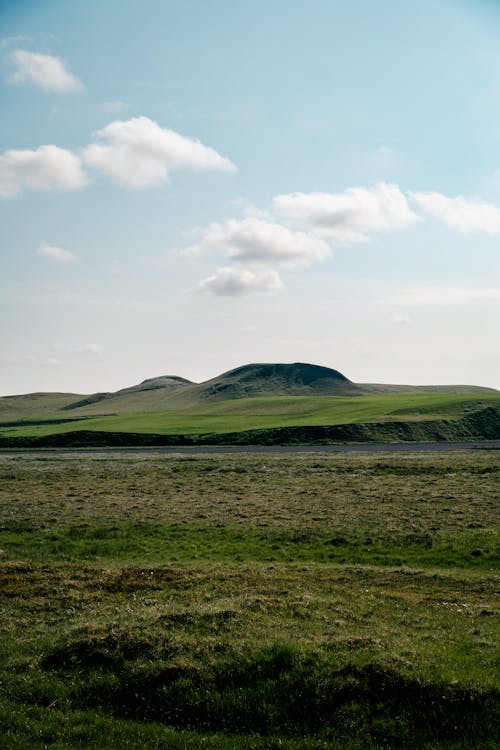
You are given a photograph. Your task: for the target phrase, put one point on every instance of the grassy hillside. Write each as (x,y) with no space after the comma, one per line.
(34,405)
(176,393)
(268,413)
(269,403)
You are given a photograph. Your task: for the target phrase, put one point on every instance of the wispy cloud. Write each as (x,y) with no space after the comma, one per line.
(43,71)
(400,320)
(236,282)
(351,216)
(57,254)
(11,41)
(45,168)
(434,295)
(138,153)
(461,215)
(134,153)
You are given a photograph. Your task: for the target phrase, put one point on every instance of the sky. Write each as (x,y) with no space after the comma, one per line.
(188,186)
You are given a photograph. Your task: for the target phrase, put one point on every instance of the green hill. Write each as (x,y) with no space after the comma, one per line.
(297,379)
(270,403)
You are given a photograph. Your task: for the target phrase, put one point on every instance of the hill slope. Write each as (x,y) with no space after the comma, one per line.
(297,379)
(164,383)
(264,402)
(173,392)
(481,425)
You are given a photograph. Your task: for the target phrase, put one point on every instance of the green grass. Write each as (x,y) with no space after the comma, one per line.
(28,727)
(154,543)
(333,601)
(267,413)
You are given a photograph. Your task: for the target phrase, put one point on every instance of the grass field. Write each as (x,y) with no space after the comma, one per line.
(280,601)
(262,413)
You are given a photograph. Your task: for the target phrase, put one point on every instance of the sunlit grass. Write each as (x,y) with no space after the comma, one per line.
(306,601)
(266,413)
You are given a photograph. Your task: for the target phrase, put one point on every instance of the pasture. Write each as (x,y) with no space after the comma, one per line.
(239,415)
(239,601)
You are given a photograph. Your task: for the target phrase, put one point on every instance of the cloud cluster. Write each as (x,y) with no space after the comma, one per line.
(43,71)
(261,245)
(45,168)
(351,216)
(459,214)
(329,219)
(297,230)
(57,254)
(138,153)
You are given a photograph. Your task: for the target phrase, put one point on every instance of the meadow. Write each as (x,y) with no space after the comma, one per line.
(238,415)
(241,601)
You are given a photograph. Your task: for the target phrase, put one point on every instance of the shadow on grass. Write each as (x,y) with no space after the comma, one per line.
(274,691)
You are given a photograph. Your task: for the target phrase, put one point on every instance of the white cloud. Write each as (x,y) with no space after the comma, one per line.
(350,216)
(458,213)
(57,254)
(43,71)
(138,153)
(442,296)
(45,168)
(256,241)
(236,282)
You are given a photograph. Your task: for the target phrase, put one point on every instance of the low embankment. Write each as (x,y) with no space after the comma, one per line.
(483,424)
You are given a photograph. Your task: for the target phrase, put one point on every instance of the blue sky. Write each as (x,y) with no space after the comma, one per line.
(186,187)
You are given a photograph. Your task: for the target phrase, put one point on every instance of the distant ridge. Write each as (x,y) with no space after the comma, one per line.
(261,403)
(151,384)
(167,392)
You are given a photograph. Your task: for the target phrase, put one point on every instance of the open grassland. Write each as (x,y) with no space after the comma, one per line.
(280,601)
(241,415)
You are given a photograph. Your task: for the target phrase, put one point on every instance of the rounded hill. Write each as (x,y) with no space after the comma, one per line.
(296,379)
